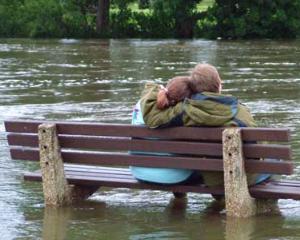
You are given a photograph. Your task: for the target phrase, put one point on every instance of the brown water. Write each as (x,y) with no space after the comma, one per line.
(91,80)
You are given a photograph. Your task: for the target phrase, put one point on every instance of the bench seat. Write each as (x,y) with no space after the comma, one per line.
(89,156)
(122,178)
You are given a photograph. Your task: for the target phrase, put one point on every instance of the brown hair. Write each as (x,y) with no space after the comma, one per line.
(205,78)
(178,88)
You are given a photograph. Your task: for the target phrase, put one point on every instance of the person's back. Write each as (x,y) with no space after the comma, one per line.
(155,175)
(206,107)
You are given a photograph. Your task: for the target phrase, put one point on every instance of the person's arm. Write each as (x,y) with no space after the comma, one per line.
(155,117)
(245,116)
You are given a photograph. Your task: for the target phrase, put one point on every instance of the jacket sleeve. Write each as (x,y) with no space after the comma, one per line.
(245,116)
(155,117)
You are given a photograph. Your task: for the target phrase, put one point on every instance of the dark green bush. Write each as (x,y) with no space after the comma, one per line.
(252,19)
(42,18)
(11,24)
(122,24)
(163,19)
(176,18)
(143,4)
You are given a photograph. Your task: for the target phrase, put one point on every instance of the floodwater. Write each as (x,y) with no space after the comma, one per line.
(100,80)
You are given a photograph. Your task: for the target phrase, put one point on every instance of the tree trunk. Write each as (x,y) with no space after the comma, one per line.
(184,28)
(184,19)
(102,19)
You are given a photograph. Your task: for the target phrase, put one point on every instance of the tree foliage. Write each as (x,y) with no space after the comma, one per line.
(253,19)
(176,17)
(44,18)
(150,19)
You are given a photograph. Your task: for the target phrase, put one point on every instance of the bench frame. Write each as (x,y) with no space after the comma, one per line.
(239,202)
(57,192)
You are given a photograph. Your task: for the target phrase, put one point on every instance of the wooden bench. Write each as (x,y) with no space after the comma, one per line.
(72,155)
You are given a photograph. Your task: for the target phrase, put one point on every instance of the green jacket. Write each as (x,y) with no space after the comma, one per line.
(203,109)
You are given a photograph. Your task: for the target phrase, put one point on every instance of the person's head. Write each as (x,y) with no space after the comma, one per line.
(205,78)
(177,89)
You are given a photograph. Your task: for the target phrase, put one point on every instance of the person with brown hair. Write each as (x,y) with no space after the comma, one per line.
(188,101)
(177,89)
(204,78)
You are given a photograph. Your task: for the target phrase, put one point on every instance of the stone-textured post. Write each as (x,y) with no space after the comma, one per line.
(238,201)
(55,187)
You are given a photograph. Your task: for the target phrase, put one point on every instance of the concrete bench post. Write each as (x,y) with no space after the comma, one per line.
(238,201)
(55,186)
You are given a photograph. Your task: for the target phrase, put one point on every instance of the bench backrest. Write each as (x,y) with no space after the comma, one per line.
(192,147)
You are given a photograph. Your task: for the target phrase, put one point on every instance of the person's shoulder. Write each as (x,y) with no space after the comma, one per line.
(245,106)
(151,85)
(244,114)
(217,97)
(150,88)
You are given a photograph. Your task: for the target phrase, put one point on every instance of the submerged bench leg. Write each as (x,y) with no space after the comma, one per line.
(239,229)
(80,193)
(267,206)
(238,201)
(179,195)
(55,186)
(55,223)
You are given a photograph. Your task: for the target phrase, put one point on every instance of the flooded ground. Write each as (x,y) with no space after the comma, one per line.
(94,80)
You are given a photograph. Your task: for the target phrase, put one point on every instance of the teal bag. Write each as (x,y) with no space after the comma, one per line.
(155,175)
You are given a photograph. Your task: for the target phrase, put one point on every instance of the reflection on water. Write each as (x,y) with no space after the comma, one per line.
(100,80)
(55,223)
(171,223)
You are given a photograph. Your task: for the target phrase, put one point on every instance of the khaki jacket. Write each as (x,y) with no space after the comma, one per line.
(203,109)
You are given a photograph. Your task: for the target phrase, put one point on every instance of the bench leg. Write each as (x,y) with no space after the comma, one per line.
(218,197)
(55,186)
(267,206)
(179,195)
(238,201)
(80,193)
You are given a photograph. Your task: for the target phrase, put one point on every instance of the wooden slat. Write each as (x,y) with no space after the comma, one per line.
(268,190)
(128,183)
(92,168)
(144,145)
(124,130)
(286,182)
(196,163)
(192,133)
(104,175)
(96,174)
(26,140)
(21,153)
(266,134)
(267,151)
(96,170)
(276,191)
(123,144)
